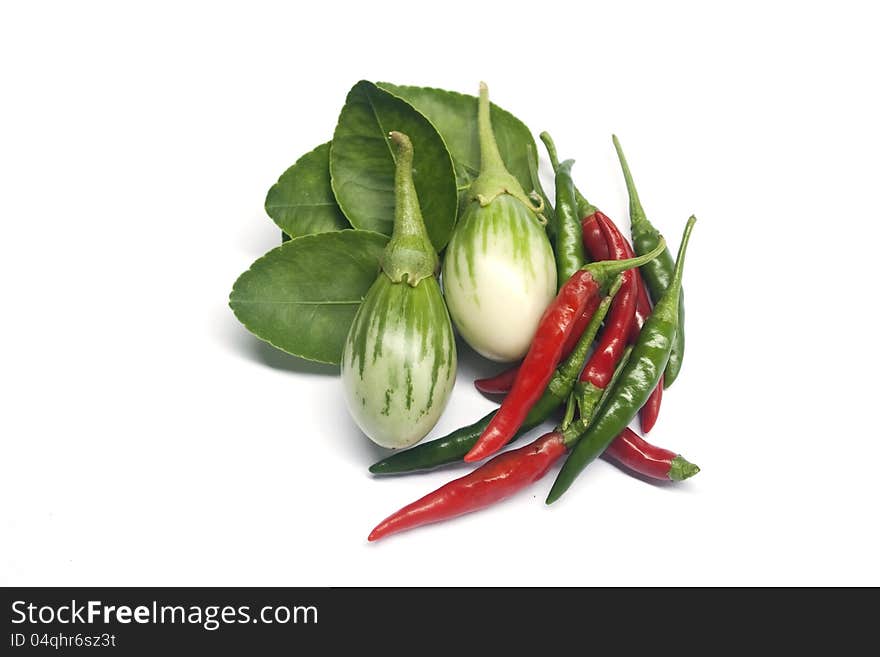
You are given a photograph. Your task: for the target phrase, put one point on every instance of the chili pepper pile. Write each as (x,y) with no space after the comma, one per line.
(604,350)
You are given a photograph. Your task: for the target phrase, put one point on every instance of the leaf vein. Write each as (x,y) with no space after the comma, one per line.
(382,130)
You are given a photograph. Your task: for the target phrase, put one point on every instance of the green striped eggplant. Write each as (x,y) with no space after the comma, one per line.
(399,360)
(499,272)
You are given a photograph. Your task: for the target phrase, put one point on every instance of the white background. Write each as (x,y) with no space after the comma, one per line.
(148,439)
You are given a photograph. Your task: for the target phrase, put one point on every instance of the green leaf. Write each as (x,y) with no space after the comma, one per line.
(455,116)
(301,297)
(362,164)
(302,202)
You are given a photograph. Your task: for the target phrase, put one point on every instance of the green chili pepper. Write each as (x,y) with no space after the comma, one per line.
(569,243)
(657,273)
(452,447)
(636,381)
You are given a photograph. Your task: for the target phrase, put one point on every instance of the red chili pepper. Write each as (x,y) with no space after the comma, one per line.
(556,325)
(649,412)
(493,481)
(643,300)
(600,367)
(502,383)
(594,238)
(597,248)
(499,384)
(634,452)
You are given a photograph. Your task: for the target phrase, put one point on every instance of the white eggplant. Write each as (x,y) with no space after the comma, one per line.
(399,360)
(499,272)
